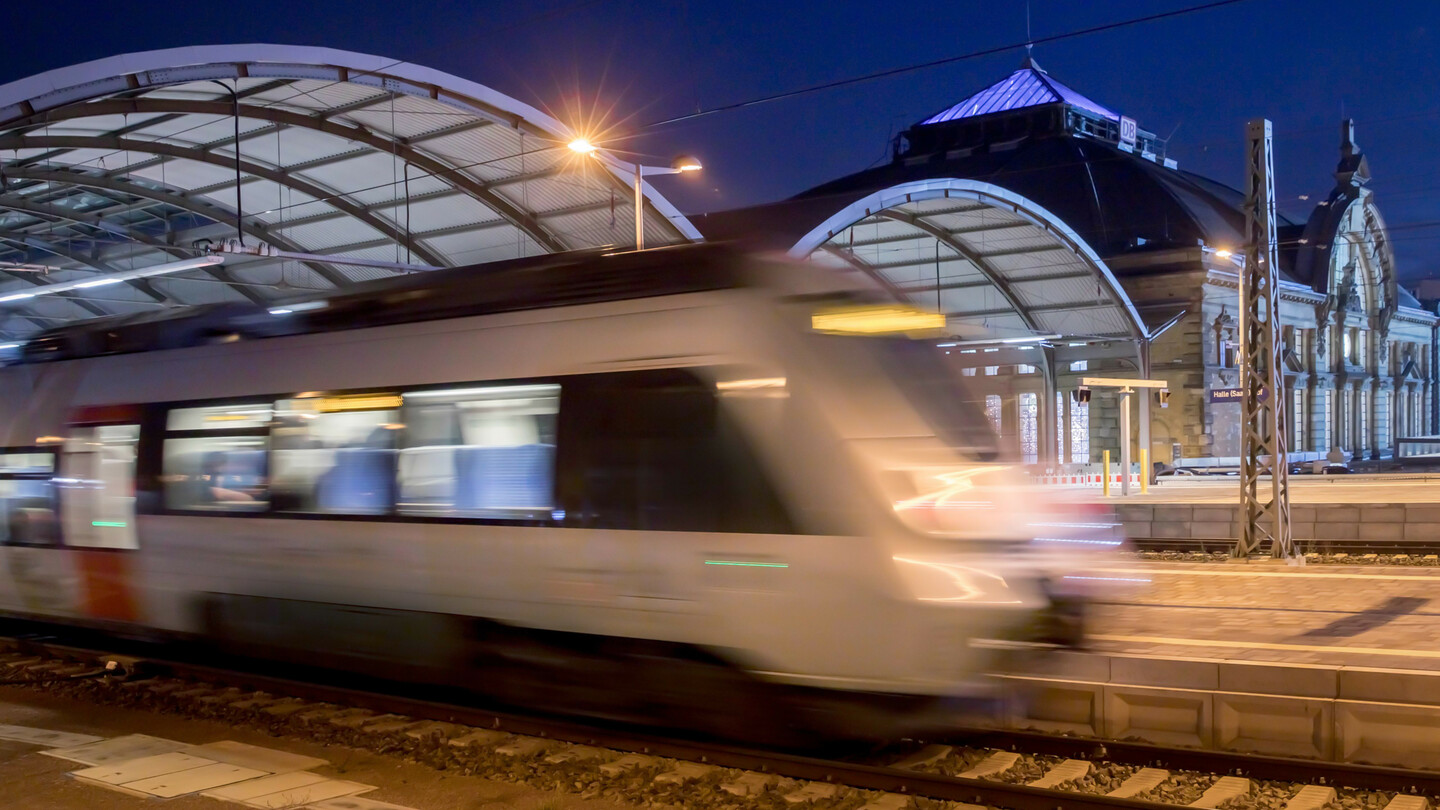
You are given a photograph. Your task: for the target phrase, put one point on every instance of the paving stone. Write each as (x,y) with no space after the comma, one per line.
(244,755)
(1139,782)
(684,773)
(479,737)
(629,762)
(523,747)
(749,784)
(812,792)
(997,763)
(1406,802)
(354,803)
(925,756)
(1067,771)
(1311,797)
(1224,789)
(576,753)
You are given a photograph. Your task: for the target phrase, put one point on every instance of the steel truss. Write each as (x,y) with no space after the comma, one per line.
(1262,404)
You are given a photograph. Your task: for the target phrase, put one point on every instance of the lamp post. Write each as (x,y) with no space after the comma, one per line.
(682,163)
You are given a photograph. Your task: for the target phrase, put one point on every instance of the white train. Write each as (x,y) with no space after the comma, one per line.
(637,485)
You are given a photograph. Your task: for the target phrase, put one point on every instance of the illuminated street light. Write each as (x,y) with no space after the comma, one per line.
(681,164)
(1222,253)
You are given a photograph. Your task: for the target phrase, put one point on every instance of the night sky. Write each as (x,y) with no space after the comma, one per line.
(1302,63)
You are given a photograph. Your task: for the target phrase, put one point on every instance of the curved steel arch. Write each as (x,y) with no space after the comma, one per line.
(988,194)
(991,274)
(57,88)
(210,209)
(279,177)
(98,221)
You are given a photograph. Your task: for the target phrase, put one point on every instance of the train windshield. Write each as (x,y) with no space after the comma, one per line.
(915,371)
(938,393)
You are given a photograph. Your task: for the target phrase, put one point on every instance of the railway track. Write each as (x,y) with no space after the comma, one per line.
(1022,771)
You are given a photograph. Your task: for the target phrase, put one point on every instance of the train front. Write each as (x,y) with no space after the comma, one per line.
(977,572)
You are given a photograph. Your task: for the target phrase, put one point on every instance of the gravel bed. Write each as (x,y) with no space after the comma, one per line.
(1183,787)
(1339,558)
(1029,768)
(959,760)
(1352,799)
(1103,778)
(1267,795)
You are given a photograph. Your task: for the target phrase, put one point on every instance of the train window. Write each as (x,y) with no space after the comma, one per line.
(335,455)
(97,486)
(654,450)
(481,451)
(27,496)
(216,473)
(219,417)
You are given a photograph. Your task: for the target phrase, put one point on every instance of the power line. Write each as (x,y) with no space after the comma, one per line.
(884,74)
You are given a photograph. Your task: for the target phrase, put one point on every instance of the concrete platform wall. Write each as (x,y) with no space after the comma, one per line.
(1348,714)
(1311,523)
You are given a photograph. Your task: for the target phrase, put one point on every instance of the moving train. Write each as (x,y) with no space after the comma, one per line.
(685,485)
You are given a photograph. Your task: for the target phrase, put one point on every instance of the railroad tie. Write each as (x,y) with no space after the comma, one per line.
(684,773)
(925,756)
(1067,771)
(477,738)
(889,801)
(1139,782)
(1224,789)
(998,762)
(577,753)
(1408,802)
(523,747)
(749,784)
(813,792)
(629,762)
(1311,797)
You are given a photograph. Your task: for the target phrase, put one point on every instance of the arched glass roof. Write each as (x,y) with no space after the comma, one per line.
(130,162)
(996,264)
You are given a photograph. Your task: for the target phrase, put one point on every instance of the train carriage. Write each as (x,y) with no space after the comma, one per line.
(647,478)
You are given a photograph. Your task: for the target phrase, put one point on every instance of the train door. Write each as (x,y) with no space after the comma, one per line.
(36,577)
(96,486)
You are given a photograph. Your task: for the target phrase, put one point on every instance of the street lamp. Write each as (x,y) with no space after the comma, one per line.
(682,163)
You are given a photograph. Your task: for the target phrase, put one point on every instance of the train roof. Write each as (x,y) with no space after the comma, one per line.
(540,282)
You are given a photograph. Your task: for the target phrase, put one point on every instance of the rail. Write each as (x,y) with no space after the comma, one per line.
(902,777)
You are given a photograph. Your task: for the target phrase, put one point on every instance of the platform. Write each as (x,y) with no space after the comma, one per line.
(1329,662)
(1399,510)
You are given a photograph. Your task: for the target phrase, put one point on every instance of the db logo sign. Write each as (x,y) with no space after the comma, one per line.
(1128,130)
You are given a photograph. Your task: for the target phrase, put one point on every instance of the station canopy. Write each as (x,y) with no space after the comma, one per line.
(372,166)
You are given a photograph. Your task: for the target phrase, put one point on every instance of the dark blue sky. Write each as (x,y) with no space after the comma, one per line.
(1298,62)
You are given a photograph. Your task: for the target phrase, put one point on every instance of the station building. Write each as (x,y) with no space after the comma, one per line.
(1060,241)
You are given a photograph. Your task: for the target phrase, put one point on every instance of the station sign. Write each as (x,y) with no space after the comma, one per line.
(1234,394)
(1128,130)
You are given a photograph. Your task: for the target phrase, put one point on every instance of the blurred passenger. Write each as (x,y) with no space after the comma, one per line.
(220,484)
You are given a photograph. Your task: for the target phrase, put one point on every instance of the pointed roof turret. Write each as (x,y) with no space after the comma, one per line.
(1027,87)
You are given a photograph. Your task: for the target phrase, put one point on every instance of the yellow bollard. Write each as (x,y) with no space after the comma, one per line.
(1144,471)
(1105,482)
